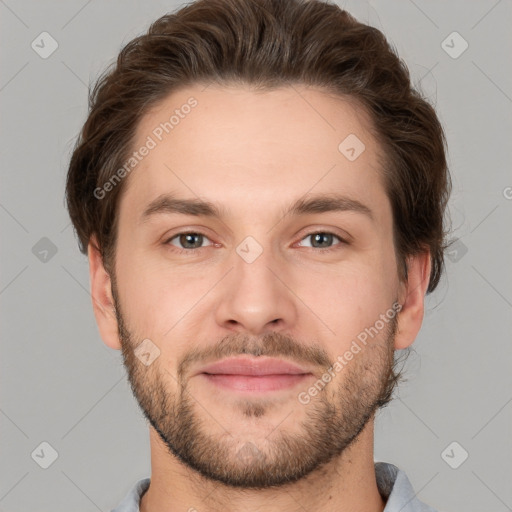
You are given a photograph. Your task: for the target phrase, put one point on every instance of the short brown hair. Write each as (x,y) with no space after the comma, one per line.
(267,44)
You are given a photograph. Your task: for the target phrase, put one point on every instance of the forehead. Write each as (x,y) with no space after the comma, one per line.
(241,147)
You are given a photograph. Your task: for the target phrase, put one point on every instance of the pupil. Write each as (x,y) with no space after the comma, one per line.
(325,237)
(188,238)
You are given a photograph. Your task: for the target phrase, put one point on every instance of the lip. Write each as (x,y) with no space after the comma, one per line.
(255,383)
(254,367)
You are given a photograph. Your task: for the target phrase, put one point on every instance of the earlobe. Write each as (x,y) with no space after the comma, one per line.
(412,299)
(102,299)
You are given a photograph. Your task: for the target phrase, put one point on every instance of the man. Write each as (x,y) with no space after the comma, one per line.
(260,193)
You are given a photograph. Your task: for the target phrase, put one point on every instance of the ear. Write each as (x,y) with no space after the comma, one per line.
(412,298)
(102,300)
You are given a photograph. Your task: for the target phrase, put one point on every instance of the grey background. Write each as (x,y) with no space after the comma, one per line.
(62,385)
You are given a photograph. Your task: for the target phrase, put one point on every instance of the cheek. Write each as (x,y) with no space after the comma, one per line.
(347,301)
(156,296)
(342,299)
(141,286)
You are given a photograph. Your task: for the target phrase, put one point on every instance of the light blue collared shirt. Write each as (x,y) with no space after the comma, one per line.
(393,484)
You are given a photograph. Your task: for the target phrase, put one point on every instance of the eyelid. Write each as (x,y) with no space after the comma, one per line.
(344,240)
(341,234)
(322,233)
(168,239)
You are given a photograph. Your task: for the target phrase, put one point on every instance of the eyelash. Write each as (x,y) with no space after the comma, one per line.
(192,251)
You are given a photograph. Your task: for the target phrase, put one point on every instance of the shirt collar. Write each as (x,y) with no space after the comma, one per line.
(393,485)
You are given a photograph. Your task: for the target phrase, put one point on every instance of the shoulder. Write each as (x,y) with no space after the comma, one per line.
(131,501)
(394,486)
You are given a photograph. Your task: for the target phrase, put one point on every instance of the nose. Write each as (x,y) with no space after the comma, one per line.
(255,297)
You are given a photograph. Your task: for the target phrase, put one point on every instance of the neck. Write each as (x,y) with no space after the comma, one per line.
(346,483)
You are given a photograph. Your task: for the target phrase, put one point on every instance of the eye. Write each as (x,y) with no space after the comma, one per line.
(191,241)
(187,241)
(323,240)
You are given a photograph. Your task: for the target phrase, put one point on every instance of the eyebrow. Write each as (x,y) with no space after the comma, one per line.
(320,203)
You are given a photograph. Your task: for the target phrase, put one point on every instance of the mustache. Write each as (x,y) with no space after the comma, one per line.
(270,344)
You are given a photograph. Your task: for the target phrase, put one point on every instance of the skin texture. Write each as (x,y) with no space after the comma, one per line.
(253,154)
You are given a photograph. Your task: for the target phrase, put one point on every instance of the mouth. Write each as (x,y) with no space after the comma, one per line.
(255,383)
(259,374)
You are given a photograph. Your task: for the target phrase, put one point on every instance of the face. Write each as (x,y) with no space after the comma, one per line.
(212,262)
